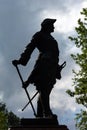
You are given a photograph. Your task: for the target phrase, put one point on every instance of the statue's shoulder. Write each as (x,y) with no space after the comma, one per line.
(37,34)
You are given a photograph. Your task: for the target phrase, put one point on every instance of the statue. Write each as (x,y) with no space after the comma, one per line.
(46,69)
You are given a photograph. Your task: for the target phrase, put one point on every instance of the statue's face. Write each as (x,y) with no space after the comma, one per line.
(50,28)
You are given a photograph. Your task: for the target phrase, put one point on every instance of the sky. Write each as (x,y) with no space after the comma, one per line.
(19,21)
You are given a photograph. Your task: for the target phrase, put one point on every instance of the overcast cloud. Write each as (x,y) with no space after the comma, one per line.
(19,20)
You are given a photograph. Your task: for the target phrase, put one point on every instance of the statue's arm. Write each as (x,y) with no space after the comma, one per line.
(25,56)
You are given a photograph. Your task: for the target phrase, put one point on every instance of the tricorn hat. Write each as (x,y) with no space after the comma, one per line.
(48,21)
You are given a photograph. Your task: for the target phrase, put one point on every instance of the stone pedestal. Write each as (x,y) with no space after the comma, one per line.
(39,124)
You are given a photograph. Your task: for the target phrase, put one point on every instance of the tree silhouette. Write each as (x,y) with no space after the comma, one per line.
(7,118)
(80,77)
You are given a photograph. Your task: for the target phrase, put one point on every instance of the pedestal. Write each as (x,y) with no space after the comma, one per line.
(39,124)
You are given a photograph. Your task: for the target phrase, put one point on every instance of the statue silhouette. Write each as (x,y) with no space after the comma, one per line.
(46,68)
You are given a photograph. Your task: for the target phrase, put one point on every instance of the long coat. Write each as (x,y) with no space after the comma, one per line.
(45,69)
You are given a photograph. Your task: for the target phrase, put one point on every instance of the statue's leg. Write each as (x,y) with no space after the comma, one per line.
(39,107)
(44,94)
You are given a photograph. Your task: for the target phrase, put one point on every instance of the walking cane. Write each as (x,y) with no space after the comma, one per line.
(25,90)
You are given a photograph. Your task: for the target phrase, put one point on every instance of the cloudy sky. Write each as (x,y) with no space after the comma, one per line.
(19,20)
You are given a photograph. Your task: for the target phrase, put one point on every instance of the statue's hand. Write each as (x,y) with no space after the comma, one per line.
(15,62)
(25,84)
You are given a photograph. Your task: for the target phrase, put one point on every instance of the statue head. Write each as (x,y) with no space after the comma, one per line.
(48,25)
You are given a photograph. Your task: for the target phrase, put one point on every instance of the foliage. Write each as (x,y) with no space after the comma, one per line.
(7,118)
(3,121)
(80,77)
(13,120)
(3,117)
(82,120)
